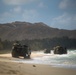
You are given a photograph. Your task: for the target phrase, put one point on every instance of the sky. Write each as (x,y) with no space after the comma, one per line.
(55,13)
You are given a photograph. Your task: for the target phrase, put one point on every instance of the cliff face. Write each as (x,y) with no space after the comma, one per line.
(26,30)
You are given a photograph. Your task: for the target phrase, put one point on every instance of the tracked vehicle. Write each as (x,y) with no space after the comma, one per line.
(60,50)
(20,50)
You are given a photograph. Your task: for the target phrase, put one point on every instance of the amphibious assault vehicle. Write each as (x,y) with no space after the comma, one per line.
(60,50)
(21,50)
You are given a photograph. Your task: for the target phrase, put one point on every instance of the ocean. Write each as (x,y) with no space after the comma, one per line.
(65,60)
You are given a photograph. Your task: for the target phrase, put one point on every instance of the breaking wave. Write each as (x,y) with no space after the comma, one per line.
(64,60)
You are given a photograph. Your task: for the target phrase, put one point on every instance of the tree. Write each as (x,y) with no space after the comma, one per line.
(1,46)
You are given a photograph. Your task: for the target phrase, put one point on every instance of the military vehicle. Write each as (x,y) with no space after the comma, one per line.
(21,50)
(47,51)
(60,50)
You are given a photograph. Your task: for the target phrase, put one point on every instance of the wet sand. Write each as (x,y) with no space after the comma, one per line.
(8,67)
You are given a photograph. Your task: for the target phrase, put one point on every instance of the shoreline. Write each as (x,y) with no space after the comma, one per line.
(9,58)
(15,68)
(9,67)
(64,66)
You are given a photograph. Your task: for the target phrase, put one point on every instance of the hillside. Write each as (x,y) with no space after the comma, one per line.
(25,30)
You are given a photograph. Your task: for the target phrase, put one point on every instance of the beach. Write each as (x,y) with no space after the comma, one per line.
(9,67)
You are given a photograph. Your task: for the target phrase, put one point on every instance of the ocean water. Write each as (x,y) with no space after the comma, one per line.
(55,60)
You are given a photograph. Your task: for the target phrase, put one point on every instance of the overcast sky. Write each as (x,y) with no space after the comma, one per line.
(55,13)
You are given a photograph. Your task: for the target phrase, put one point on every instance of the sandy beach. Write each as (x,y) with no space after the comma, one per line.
(7,67)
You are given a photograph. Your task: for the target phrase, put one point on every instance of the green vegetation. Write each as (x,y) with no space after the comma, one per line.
(5,51)
(41,44)
(5,45)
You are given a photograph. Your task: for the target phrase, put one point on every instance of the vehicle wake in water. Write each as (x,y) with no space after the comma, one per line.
(64,60)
